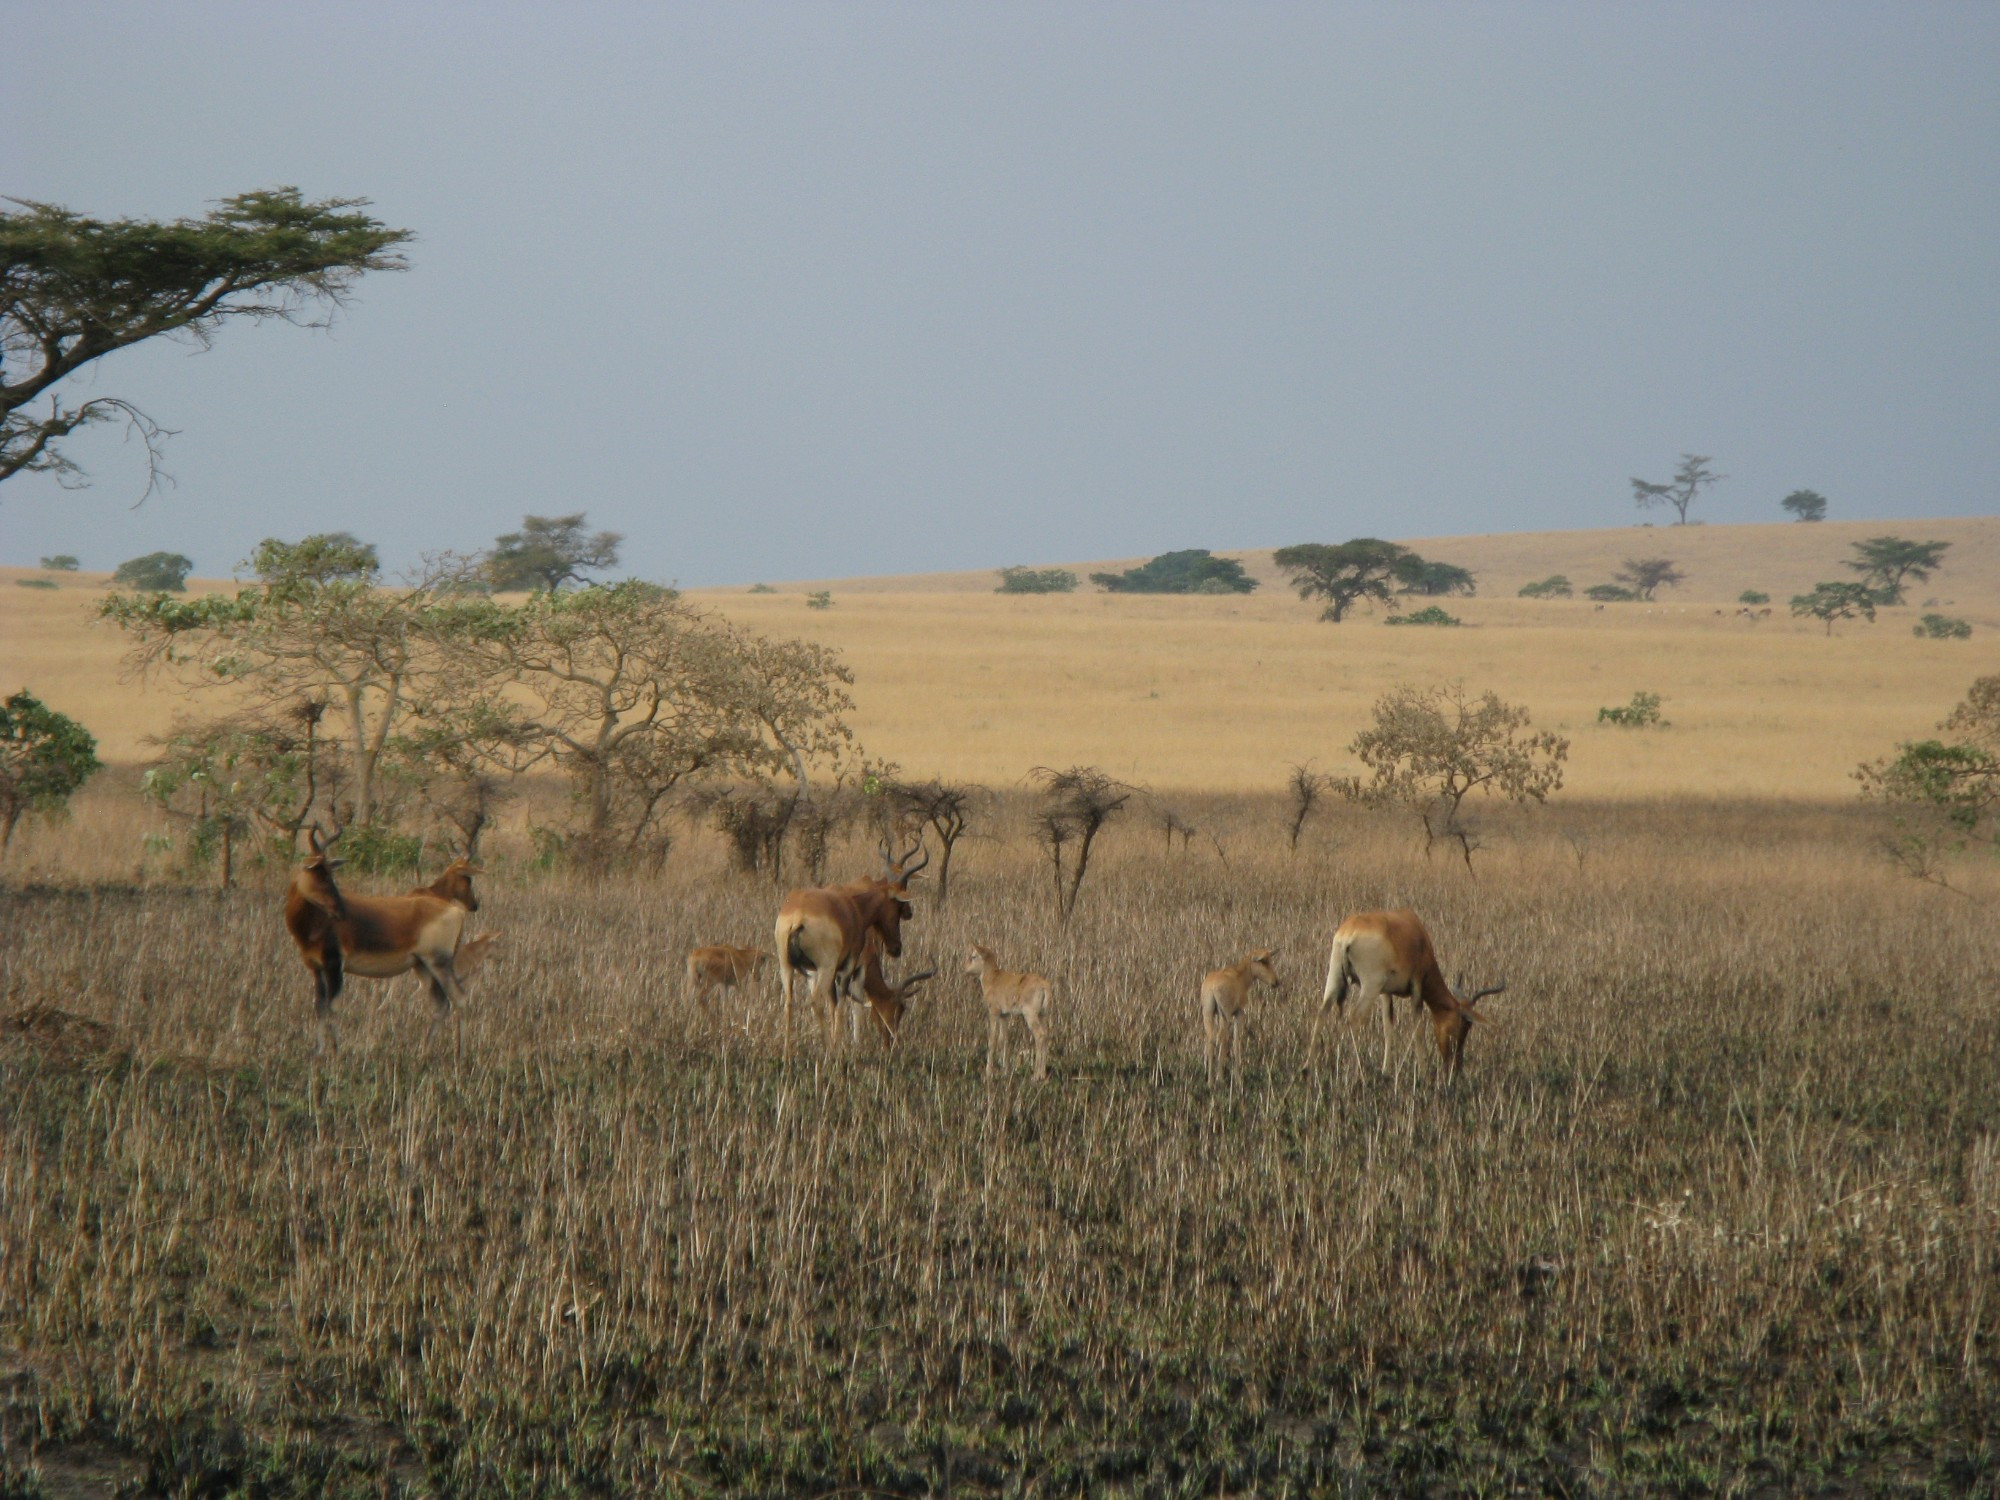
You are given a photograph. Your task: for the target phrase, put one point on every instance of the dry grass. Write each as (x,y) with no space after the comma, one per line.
(1713,1210)
(1222,694)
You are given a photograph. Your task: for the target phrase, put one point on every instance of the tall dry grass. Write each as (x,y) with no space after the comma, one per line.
(1712,1210)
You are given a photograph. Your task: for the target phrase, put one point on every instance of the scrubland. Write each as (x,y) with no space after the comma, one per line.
(1713,1209)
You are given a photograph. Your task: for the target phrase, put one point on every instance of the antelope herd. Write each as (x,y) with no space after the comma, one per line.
(837,938)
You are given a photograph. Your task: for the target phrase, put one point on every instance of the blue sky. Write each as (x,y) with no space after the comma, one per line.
(792,291)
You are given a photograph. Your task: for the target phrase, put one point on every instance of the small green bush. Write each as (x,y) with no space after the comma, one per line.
(762,588)
(821,600)
(1555,586)
(1643,712)
(1036,581)
(36,583)
(1431,616)
(1942,628)
(1611,593)
(1753,596)
(62,562)
(377,850)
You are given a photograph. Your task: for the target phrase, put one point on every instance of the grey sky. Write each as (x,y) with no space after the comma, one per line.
(803,291)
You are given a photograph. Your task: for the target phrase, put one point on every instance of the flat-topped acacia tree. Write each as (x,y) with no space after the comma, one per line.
(74,289)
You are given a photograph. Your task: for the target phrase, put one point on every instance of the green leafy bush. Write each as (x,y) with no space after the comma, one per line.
(1555,586)
(36,583)
(1432,615)
(378,850)
(1643,712)
(821,600)
(1182,572)
(1036,581)
(1610,593)
(1753,596)
(1942,628)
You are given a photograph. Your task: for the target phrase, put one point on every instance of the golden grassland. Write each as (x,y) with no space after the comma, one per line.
(1224,694)
(1712,1210)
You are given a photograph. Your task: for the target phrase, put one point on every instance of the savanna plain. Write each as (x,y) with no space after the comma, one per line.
(1713,1207)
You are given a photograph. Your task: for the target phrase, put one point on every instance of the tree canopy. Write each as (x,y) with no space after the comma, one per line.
(1346,573)
(1837,601)
(324,557)
(155,573)
(1887,563)
(1193,570)
(74,289)
(548,552)
(1418,575)
(1691,477)
(1430,748)
(1805,505)
(1642,575)
(44,758)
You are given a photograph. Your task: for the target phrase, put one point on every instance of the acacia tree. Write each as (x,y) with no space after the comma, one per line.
(74,289)
(1837,601)
(1642,575)
(1435,580)
(1943,794)
(324,557)
(45,757)
(548,552)
(1886,563)
(1348,573)
(633,692)
(1691,477)
(377,655)
(1431,748)
(155,573)
(259,771)
(1076,806)
(1805,505)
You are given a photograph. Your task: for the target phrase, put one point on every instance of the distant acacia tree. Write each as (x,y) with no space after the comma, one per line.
(1642,575)
(548,552)
(1837,601)
(1555,586)
(1610,593)
(62,562)
(1347,573)
(74,289)
(1805,505)
(1036,581)
(1193,570)
(44,758)
(1690,479)
(155,573)
(1430,748)
(1417,575)
(1886,563)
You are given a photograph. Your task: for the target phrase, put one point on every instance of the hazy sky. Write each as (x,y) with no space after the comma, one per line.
(790,291)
